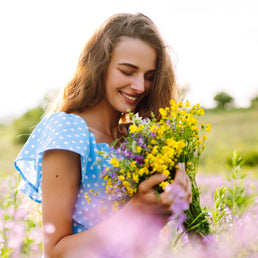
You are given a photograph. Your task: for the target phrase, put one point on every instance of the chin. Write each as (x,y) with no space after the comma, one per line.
(128,109)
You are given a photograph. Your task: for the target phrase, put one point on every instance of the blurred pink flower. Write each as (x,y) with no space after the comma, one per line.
(49,228)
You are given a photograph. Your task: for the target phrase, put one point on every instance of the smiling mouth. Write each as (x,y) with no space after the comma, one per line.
(130,98)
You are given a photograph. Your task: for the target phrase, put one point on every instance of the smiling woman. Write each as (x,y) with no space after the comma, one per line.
(123,66)
(130,74)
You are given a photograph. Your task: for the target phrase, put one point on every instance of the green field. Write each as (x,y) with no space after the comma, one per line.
(231,130)
(8,150)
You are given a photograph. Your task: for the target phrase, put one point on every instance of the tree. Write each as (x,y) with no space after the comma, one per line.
(254,102)
(25,124)
(223,99)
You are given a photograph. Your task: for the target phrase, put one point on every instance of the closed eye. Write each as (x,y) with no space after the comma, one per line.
(126,72)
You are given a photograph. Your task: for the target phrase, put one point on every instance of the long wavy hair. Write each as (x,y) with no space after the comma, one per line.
(87,85)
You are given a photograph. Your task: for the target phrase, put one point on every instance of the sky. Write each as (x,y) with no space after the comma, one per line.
(213,45)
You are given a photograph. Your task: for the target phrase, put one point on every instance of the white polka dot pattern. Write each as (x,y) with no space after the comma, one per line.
(68,132)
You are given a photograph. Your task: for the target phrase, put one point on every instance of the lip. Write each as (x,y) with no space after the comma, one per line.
(130,98)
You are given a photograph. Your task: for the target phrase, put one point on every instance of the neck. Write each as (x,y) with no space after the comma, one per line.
(103,120)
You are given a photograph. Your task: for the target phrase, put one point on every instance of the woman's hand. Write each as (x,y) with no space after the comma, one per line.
(182,179)
(146,199)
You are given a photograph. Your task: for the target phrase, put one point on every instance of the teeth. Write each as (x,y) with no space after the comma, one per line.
(129,97)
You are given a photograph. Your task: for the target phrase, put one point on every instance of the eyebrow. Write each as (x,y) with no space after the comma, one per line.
(130,65)
(134,66)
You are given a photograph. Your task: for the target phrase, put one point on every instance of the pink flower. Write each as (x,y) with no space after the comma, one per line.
(49,228)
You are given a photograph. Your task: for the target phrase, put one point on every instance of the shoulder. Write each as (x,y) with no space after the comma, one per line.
(60,122)
(62,119)
(59,131)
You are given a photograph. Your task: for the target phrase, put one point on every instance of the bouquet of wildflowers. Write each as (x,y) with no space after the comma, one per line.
(157,147)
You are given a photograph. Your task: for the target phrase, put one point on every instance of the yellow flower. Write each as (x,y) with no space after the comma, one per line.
(163,113)
(121,178)
(153,128)
(126,184)
(133,128)
(164,184)
(155,150)
(135,178)
(172,102)
(141,171)
(87,197)
(139,149)
(133,164)
(204,137)
(201,112)
(187,104)
(153,141)
(130,192)
(194,128)
(141,127)
(114,162)
(199,142)
(189,163)
(208,128)
(166,173)
(174,107)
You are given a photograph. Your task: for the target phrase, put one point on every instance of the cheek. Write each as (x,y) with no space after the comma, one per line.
(114,81)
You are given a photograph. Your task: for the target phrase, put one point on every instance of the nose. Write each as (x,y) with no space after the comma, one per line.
(138,84)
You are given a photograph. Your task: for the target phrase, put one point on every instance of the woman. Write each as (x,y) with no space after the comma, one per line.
(124,66)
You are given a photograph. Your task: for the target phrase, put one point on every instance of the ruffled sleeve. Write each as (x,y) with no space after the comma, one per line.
(55,131)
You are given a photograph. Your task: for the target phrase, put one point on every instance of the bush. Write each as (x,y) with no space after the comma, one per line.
(25,125)
(254,102)
(249,159)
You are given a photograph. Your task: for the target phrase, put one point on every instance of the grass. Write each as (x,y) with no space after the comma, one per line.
(8,150)
(231,130)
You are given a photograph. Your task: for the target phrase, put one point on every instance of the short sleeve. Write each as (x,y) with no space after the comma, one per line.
(55,131)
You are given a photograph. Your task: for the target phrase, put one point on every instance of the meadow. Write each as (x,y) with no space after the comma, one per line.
(232,203)
(231,130)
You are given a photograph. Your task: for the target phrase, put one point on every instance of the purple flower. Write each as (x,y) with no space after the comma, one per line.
(140,142)
(179,206)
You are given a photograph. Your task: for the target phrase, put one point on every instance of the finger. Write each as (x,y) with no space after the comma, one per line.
(149,183)
(166,199)
(181,177)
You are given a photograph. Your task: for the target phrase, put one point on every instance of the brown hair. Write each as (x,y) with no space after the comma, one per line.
(87,86)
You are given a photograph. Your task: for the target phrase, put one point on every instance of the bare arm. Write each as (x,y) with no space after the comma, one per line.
(60,184)
(61,175)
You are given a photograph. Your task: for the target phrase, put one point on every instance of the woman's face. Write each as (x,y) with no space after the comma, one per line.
(130,73)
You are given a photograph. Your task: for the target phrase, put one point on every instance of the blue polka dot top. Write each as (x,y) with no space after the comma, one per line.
(67,132)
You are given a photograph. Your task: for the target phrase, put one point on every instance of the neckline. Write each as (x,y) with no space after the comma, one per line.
(97,143)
